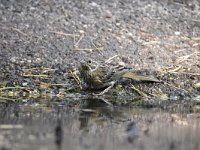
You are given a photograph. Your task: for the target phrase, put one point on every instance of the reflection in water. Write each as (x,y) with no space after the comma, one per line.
(83,118)
(93,124)
(97,110)
(132,131)
(59,134)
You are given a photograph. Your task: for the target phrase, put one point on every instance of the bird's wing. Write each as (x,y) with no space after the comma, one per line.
(137,77)
(114,73)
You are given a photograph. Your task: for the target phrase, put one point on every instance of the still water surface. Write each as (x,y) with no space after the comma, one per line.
(94,125)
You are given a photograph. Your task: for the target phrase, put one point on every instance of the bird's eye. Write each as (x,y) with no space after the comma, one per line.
(89,61)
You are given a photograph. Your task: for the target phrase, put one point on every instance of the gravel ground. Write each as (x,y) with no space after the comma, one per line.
(145,34)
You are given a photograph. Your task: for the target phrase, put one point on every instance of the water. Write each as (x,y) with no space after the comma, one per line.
(91,124)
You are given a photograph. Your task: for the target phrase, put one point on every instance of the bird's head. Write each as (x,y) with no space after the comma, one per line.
(85,66)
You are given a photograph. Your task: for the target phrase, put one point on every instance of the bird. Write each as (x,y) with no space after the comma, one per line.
(103,77)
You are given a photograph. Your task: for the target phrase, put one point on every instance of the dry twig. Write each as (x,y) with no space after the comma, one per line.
(76,78)
(109,60)
(65,34)
(186,57)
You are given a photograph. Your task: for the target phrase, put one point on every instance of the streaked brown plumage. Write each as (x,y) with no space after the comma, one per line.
(103,77)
